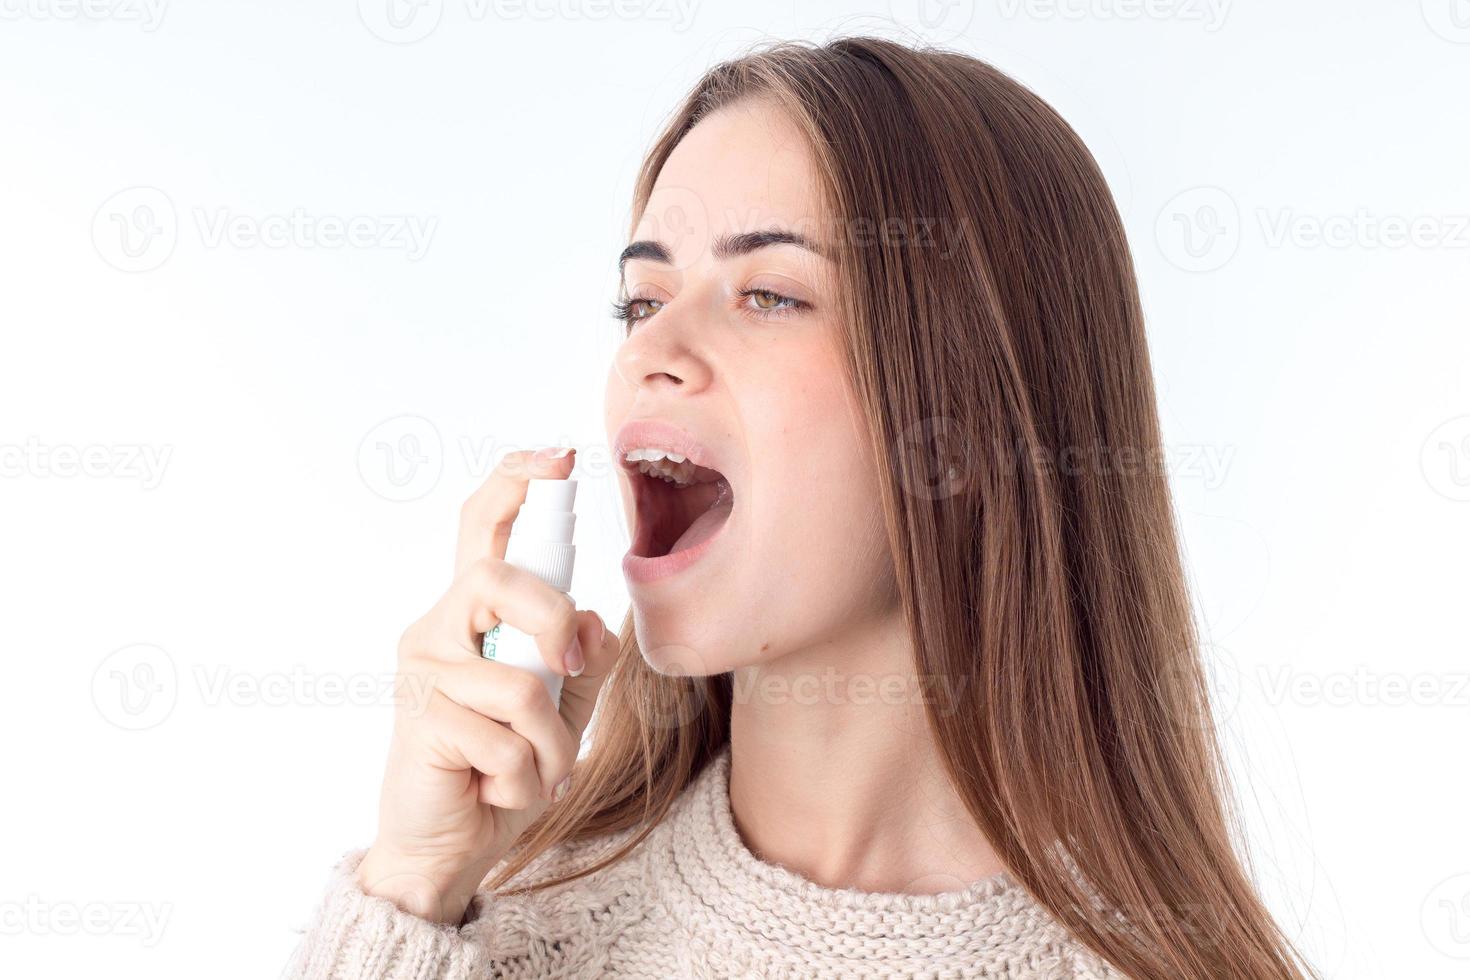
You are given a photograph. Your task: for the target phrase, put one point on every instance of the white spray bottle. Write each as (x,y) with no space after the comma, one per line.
(540,543)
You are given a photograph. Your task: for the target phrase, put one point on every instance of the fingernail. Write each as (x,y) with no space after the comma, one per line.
(573,658)
(552,452)
(561,789)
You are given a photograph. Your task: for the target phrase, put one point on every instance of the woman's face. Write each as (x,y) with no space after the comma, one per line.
(733,361)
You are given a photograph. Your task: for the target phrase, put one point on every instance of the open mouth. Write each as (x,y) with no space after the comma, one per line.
(680,504)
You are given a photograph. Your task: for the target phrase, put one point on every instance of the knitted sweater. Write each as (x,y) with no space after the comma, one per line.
(692,901)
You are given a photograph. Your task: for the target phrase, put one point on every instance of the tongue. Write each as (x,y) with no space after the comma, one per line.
(706,524)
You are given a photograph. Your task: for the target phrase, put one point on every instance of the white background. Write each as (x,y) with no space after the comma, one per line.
(232,469)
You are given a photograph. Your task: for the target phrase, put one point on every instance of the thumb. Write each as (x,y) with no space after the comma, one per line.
(600,649)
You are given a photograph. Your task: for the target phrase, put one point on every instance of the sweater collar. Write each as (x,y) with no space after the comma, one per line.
(712,880)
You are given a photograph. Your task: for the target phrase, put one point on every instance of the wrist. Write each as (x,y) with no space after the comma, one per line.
(437,889)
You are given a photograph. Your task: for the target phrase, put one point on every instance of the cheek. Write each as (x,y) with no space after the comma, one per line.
(617,400)
(821,565)
(616,396)
(821,486)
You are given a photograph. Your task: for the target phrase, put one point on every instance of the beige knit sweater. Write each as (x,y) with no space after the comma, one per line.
(692,901)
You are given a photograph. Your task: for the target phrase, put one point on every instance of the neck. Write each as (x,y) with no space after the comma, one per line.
(834,773)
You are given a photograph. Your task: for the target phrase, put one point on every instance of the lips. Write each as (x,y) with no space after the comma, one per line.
(682,499)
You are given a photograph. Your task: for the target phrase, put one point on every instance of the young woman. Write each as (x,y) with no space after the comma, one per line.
(909,686)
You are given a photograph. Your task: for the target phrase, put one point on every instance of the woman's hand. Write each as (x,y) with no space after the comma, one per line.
(479,749)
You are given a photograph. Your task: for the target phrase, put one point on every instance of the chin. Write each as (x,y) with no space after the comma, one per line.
(674,641)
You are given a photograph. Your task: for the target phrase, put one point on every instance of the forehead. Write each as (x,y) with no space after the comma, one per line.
(743,168)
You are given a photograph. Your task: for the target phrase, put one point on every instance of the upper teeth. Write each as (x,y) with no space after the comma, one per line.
(669,466)
(634,455)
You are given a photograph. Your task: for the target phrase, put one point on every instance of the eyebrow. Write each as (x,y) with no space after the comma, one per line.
(725,246)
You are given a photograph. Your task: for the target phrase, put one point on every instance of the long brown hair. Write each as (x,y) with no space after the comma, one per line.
(995,343)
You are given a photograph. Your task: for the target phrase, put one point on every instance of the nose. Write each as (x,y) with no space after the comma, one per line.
(658,356)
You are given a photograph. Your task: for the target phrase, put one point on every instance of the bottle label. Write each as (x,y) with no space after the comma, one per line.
(509,646)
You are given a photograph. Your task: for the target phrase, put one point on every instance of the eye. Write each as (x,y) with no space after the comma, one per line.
(635,309)
(760,303)
(765,302)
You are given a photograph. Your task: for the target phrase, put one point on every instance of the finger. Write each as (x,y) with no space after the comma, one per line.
(518,700)
(600,647)
(492,592)
(485,518)
(461,739)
